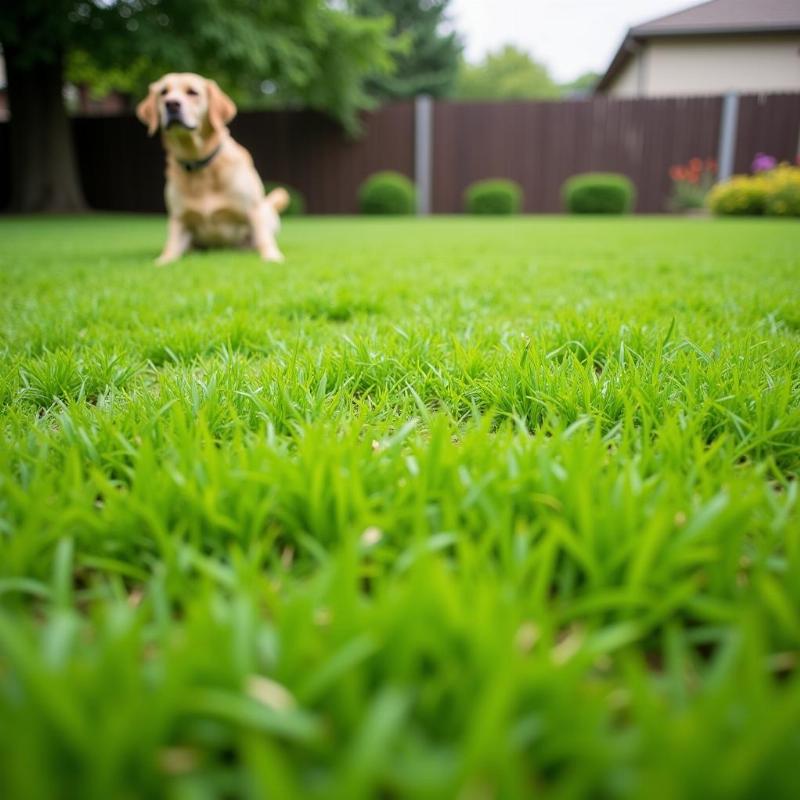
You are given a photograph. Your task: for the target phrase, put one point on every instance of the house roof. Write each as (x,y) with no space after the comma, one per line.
(714,18)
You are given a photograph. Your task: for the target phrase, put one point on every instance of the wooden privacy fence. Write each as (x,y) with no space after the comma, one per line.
(447,145)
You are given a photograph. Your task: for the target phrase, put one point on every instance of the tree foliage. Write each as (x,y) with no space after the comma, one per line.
(430,58)
(508,74)
(582,85)
(313,52)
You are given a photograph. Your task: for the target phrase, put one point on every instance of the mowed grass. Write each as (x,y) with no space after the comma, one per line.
(444,509)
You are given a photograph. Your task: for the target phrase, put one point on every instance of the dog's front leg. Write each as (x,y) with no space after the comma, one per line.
(265,222)
(178,241)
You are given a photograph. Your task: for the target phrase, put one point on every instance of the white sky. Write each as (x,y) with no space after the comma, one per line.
(569,36)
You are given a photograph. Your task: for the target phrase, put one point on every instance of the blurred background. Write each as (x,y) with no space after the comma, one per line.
(672,95)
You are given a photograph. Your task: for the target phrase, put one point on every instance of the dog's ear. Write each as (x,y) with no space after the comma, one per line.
(147,110)
(221,109)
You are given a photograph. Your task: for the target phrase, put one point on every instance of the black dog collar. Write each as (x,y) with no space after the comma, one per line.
(196,166)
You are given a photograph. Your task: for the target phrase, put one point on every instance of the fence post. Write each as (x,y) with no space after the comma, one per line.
(423,152)
(727,135)
(797,154)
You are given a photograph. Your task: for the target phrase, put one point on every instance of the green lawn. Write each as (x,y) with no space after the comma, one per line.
(450,508)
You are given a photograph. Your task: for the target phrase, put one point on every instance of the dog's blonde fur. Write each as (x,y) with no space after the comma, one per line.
(218,204)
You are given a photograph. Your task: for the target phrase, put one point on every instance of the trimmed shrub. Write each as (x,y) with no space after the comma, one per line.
(297,200)
(496,196)
(387,193)
(783,193)
(739,196)
(598,193)
(775,193)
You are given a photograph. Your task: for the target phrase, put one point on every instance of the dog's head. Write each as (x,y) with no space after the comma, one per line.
(183,101)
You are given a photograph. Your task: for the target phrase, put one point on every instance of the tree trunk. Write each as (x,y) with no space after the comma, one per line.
(44,173)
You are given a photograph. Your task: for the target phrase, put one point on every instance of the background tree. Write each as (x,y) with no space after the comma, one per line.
(130,81)
(313,51)
(582,85)
(508,74)
(430,60)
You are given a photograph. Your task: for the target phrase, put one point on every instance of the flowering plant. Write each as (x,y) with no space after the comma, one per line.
(783,197)
(774,192)
(763,163)
(691,183)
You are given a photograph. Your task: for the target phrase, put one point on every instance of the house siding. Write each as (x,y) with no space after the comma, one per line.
(703,66)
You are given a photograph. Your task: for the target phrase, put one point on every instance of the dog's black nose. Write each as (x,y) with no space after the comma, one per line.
(173,106)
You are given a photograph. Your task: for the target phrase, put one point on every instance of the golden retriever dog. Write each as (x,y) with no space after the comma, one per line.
(214,195)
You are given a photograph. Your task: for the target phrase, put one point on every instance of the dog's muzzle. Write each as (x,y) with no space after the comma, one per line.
(175,116)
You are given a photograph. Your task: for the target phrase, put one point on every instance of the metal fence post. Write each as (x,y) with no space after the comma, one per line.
(423,152)
(727,135)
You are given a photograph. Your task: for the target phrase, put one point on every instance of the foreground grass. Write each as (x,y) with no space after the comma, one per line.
(436,509)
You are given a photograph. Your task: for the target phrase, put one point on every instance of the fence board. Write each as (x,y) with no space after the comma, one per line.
(538,144)
(5,166)
(767,124)
(541,144)
(311,153)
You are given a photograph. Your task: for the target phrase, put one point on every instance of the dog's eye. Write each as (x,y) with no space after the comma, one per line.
(163,91)
(192,92)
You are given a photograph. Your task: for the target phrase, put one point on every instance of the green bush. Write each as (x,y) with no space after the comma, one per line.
(599,193)
(775,193)
(496,196)
(387,193)
(783,195)
(297,200)
(740,196)
(784,202)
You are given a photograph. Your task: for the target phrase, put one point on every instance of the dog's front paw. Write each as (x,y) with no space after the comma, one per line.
(163,260)
(272,255)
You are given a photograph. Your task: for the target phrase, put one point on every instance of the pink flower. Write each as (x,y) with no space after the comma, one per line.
(763,163)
